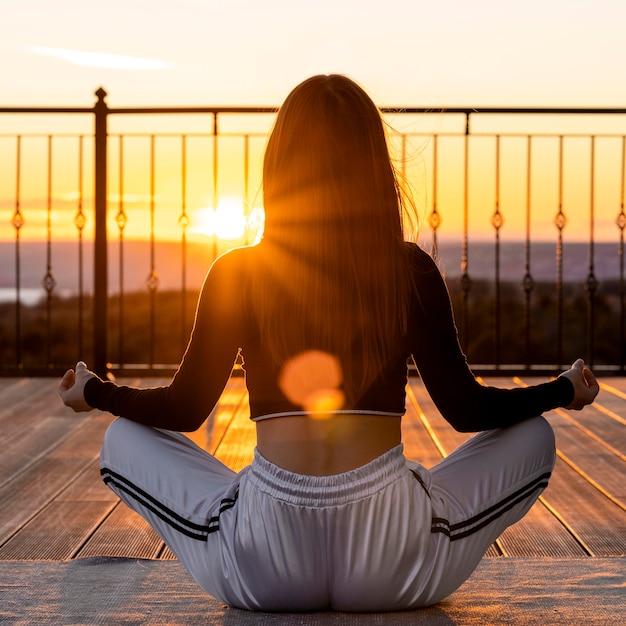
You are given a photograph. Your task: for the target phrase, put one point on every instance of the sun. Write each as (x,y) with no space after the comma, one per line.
(227,221)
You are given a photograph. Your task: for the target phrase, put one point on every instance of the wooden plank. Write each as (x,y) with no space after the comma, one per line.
(600,426)
(11,382)
(31,433)
(616,382)
(84,443)
(236,448)
(601,467)
(210,434)
(19,422)
(88,487)
(126,534)
(539,533)
(612,398)
(24,496)
(599,523)
(18,400)
(22,424)
(56,532)
(418,444)
(30,445)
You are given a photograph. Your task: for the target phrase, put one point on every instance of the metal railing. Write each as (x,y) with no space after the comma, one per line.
(511,317)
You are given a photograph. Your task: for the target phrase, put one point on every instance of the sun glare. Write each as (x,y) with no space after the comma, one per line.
(227,222)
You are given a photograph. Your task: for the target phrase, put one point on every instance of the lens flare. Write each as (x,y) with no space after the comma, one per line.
(312,380)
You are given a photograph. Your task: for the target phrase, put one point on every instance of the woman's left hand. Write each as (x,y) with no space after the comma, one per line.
(72,387)
(586,386)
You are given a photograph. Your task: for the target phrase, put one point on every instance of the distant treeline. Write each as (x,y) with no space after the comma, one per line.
(530,330)
(153,328)
(143,328)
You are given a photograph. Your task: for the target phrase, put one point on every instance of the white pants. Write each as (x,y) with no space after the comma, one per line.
(390,535)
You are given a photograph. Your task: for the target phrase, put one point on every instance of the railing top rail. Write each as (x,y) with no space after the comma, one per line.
(273,109)
(509,110)
(46,109)
(212,110)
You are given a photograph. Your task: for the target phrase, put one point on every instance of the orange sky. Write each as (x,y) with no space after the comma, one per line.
(494,52)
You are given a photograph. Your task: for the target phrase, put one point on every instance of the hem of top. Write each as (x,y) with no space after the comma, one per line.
(268,416)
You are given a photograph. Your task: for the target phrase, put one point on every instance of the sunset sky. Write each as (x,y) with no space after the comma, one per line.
(566,53)
(411,52)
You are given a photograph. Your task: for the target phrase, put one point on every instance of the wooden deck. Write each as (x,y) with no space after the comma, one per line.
(54,506)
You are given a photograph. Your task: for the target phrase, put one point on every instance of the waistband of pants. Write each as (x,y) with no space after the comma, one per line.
(324,491)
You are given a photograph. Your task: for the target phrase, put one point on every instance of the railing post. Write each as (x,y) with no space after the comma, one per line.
(100,262)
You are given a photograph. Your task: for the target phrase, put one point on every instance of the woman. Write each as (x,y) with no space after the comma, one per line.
(325,311)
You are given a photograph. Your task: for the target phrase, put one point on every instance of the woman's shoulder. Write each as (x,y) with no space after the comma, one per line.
(420,259)
(235,262)
(228,274)
(224,285)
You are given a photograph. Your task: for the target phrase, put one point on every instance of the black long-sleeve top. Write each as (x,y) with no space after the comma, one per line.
(224,327)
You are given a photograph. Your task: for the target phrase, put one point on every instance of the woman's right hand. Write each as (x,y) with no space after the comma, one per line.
(72,386)
(585,385)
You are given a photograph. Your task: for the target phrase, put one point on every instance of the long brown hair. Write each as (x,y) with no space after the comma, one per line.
(333,272)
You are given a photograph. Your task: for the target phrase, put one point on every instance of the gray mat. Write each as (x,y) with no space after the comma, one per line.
(131,591)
